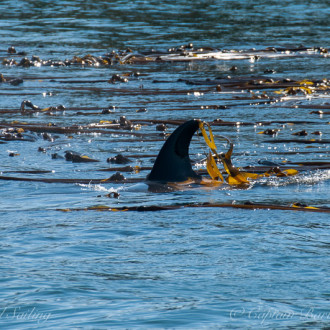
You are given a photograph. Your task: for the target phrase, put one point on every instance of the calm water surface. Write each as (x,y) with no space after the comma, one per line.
(193,268)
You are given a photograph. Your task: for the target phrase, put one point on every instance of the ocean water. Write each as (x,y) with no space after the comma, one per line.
(67,266)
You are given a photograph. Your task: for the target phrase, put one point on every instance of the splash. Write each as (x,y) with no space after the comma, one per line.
(99,187)
(310,178)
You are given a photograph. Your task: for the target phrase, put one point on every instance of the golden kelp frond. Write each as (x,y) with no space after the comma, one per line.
(306,82)
(212,168)
(235,176)
(209,141)
(288,172)
(295,90)
(299,205)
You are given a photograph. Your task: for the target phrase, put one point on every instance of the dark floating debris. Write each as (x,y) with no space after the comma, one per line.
(141,110)
(41,149)
(76,157)
(125,123)
(15,81)
(300,133)
(116,177)
(161,127)
(269,131)
(320,112)
(123,169)
(106,111)
(25,62)
(113,194)
(11,50)
(267,163)
(16,134)
(47,137)
(30,105)
(13,154)
(110,109)
(11,81)
(117,78)
(56,156)
(119,159)
(267,71)
(35,108)
(127,168)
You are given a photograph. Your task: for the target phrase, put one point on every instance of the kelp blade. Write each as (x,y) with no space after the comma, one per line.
(212,168)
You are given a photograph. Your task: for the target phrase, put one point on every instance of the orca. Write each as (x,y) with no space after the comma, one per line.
(173,163)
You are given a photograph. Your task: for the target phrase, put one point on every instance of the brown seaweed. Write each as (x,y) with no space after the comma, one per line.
(310,141)
(247,206)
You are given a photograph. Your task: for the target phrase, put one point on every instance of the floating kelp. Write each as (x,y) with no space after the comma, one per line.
(175,54)
(36,109)
(28,171)
(228,91)
(75,129)
(11,81)
(128,168)
(173,163)
(210,53)
(76,157)
(16,134)
(310,141)
(119,159)
(71,181)
(297,166)
(235,175)
(269,131)
(122,126)
(248,206)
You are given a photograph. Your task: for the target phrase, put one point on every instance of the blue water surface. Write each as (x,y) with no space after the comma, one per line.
(189,268)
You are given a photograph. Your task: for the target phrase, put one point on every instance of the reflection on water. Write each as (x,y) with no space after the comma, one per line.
(188,267)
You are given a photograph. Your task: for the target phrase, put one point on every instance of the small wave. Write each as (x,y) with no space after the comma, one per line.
(98,187)
(306,178)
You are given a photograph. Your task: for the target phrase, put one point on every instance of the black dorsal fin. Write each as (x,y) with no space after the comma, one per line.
(173,162)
